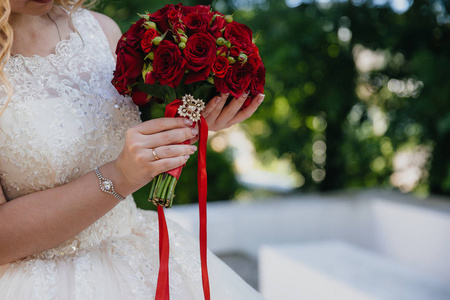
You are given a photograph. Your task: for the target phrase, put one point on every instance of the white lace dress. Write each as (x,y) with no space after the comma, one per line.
(64,119)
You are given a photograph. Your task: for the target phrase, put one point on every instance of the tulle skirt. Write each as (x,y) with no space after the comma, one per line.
(123,267)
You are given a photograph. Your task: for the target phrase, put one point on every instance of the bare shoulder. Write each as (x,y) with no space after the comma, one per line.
(110,28)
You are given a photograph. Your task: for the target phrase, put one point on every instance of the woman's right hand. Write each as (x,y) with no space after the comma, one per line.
(137,164)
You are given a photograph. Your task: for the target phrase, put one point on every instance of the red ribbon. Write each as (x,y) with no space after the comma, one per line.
(162,288)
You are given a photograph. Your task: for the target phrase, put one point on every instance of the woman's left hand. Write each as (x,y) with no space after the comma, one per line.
(219,117)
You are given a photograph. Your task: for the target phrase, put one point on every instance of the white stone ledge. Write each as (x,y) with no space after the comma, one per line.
(333,270)
(400,227)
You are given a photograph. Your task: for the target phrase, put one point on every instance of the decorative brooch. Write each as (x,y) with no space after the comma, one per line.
(191,108)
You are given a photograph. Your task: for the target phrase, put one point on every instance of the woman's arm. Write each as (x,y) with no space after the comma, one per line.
(42,220)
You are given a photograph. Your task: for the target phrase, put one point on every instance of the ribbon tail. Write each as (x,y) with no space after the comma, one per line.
(162,287)
(202,198)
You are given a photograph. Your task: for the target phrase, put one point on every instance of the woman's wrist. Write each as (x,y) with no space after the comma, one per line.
(121,184)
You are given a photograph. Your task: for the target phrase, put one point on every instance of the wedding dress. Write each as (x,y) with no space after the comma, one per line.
(64,119)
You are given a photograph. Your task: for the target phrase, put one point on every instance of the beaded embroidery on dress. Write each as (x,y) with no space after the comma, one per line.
(65,118)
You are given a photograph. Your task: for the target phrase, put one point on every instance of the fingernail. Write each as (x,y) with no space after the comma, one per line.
(218,99)
(194,148)
(187,156)
(188,122)
(227,94)
(194,131)
(246,94)
(261,98)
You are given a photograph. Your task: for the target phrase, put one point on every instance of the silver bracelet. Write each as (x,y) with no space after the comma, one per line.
(107,186)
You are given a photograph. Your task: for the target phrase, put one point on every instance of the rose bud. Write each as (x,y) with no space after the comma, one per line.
(157,40)
(220,41)
(146,17)
(228,44)
(150,24)
(229,18)
(150,55)
(182,45)
(150,77)
(222,51)
(243,58)
(231,60)
(210,80)
(183,38)
(140,98)
(147,69)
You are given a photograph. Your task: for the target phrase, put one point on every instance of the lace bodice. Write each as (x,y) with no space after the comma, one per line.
(64,119)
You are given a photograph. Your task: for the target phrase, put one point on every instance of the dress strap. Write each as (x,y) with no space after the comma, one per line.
(90,31)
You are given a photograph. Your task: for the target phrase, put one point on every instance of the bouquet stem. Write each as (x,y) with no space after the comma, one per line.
(162,190)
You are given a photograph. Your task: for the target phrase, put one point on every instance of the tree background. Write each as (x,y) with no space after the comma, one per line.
(357,94)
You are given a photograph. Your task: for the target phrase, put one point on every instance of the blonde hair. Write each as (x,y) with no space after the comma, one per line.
(7,35)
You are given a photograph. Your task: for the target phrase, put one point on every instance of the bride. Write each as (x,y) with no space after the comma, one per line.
(62,236)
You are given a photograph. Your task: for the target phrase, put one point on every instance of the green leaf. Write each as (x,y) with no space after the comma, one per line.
(164,92)
(205,92)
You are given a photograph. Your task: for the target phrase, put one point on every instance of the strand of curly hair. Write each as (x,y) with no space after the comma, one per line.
(7,35)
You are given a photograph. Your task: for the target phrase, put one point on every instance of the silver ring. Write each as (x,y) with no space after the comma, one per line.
(154,154)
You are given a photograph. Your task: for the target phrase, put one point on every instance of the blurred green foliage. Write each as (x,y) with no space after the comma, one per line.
(349,87)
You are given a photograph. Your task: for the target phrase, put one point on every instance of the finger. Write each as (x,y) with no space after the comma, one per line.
(170,137)
(194,140)
(164,165)
(231,109)
(161,124)
(248,111)
(213,103)
(210,105)
(212,115)
(172,151)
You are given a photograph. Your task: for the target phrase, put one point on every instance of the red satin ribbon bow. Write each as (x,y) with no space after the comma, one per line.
(162,288)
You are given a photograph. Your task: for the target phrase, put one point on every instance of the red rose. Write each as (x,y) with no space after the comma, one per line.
(169,64)
(200,54)
(161,18)
(255,50)
(197,22)
(217,25)
(203,9)
(236,81)
(129,64)
(253,63)
(178,26)
(119,84)
(235,51)
(239,35)
(258,81)
(174,15)
(220,67)
(134,35)
(146,42)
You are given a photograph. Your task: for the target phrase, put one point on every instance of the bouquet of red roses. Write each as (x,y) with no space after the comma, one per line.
(185,55)
(181,49)
(187,51)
